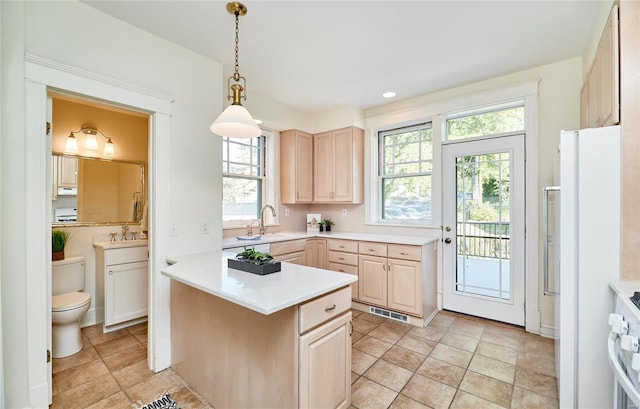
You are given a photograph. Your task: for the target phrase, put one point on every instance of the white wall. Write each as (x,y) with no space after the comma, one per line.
(57,31)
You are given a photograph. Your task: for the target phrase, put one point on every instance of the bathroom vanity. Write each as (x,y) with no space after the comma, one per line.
(122,269)
(246,341)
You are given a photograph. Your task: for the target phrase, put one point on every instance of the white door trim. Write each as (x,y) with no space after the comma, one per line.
(40,76)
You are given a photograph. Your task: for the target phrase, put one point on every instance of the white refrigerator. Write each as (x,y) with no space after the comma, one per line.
(588,258)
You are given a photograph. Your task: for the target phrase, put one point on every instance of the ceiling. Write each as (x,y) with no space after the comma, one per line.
(321,55)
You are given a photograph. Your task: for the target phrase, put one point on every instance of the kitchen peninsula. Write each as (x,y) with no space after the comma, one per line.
(247,341)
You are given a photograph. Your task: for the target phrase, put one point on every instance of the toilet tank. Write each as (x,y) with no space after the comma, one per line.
(67,275)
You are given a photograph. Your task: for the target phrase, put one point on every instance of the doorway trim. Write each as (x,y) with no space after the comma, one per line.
(40,76)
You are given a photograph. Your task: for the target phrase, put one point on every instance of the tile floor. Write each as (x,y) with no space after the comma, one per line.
(457,361)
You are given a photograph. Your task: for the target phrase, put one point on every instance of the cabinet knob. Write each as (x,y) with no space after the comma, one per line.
(110,272)
(341,270)
(329,309)
(340,258)
(341,247)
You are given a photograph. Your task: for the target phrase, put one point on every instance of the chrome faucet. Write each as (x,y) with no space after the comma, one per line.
(250,227)
(263,228)
(125,229)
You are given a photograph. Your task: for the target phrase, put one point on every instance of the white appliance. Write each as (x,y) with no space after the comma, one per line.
(65,215)
(624,351)
(588,233)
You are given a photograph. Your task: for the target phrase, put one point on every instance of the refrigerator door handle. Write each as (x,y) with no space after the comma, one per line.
(545,216)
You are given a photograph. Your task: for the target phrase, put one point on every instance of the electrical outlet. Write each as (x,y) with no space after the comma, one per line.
(286,211)
(344,212)
(173,229)
(205,227)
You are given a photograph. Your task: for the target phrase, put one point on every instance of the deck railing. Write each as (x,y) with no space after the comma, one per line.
(483,239)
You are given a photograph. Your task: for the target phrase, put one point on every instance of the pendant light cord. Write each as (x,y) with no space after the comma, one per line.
(237,67)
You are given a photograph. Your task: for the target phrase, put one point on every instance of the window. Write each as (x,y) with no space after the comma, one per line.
(491,121)
(406,163)
(243,178)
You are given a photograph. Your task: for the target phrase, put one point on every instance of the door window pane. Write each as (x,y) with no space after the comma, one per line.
(490,122)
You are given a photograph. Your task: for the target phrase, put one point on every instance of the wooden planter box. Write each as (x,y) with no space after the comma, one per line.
(249,267)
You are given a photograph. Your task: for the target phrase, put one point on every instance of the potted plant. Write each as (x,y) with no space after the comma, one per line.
(255,262)
(321,225)
(327,224)
(59,240)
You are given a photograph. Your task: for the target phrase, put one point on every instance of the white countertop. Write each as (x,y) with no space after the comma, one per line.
(266,294)
(121,243)
(625,288)
(284,236)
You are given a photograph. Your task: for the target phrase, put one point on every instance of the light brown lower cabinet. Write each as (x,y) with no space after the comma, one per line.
(372,284)
(316,253)
(292,251)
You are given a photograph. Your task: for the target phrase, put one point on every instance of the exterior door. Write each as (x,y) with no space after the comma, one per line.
(484,232)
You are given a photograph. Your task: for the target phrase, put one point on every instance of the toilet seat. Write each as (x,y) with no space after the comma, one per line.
(69,301)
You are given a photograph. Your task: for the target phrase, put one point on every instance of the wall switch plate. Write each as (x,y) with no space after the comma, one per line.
(344,212)
(205,227)
(286,211)
(173,229)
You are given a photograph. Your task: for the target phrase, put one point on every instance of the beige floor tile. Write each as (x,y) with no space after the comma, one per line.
(96,336)
(392,376)
(467,327)
(524,399)
(404,357)
(150,388)
(142,337)
(133,374)
(386,334)
(126,357)
(85,355)
(429,392)
(115,401)
(404,402)
(141,327)
(493,368)
(398,326)
(501,337)
(420,345)
(361,361)
(355,336)
(451,355)
(442,321)
(356,313)
(373,318)
(487,388)
(539,362)
(536,382)
(354,377)
(116,345)
(366,394)
(430,333)
(459,341)
(89,393)
(464,400)
(186,399)
(495,351)
(441,371)
(362,325)
(372,346)
(77,375)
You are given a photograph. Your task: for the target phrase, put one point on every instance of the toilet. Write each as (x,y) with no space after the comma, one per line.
(68,305)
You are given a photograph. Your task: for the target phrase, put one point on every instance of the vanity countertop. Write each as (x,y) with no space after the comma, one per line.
(266,294)
(230,242)
(106,245)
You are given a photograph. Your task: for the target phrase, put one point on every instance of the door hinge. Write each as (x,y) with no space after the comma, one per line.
(48,355)
(48,128)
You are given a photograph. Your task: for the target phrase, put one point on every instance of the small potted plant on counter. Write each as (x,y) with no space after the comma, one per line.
(327,224)
(255,262)
(59,240)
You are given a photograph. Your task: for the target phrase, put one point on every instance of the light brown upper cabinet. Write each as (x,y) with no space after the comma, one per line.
(296,167)
(338,166)
(600,98)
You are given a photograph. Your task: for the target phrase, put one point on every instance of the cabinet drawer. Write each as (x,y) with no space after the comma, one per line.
(343,258)
(349,246)
(374,249)
(342,268)
(324,308)
(125,255)
(284,247)
(405,252)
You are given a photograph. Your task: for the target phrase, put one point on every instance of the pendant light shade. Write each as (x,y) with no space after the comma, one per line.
(235,122)
(71,145)
(109,150)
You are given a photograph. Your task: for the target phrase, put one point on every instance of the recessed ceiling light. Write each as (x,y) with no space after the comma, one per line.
(258,121)
(389,94)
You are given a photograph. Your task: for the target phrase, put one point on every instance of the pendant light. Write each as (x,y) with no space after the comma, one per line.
(235,121)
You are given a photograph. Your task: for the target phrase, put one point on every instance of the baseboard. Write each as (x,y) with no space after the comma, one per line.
(430,317)
(548,331)
(121,325)
(163,349)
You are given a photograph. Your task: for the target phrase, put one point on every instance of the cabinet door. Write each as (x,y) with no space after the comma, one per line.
(316,253)
(404,286)
(592,95)
(67,172)
(296,167)
(342,165)
(126,292)
(323,167)
(304,167)
(372,284)
(325,365)
(608,72)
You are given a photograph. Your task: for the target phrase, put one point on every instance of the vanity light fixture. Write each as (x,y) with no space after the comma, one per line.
(90,131)
(235,121)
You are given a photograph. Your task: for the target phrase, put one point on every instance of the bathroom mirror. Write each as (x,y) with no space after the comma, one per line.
(95,191)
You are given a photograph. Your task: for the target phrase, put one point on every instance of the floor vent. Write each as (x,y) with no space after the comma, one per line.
(389,314)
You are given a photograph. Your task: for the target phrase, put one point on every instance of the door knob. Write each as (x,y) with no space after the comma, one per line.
(447,240)
(448,228)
